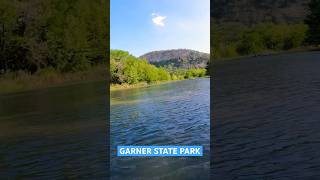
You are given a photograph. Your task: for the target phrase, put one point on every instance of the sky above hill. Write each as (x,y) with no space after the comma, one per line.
(141,26)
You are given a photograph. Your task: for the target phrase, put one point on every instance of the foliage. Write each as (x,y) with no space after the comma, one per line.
(250,43)
(127,69)
(231,40)
(193,73)
(63,35)
(313,22)
(208,68)
(18,81)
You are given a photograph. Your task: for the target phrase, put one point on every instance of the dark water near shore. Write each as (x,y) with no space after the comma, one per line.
(54,133)
(168,114)
(266,118)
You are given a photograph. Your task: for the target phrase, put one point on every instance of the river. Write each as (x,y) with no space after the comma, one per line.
(266,117)
(265,125)
(61,132)
(175,113)
(54,133)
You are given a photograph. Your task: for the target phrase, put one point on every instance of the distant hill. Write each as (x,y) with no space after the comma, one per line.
(250,12)
(180,58)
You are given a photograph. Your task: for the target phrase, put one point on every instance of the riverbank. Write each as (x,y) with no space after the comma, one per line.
(20,81)
(270,53)
(116,87)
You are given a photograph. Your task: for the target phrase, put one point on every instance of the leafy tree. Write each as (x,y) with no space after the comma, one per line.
(295,36)
(230,41)
(118,55)
(58,34)
(208,68)
(163,74)
(313,21)
(13,53)
(251,43)
(193,73)
(126,68)
(152,74)
(130,70)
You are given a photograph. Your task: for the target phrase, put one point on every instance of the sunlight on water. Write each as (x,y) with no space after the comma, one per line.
(169,114)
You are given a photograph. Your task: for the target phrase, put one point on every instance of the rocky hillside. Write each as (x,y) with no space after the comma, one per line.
(180,58)
(254,11)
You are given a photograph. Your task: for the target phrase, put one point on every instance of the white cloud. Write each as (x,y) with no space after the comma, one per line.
(158,20)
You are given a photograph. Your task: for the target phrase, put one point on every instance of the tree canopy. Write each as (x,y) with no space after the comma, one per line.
(64,35)
(230,40)
(313,21)
(126,68)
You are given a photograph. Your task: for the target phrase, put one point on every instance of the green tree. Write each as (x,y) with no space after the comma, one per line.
(208,67)
(250,43)
(130,70)
(126,68)
(58,34)
(313,22)
(295,36)
(13,52)
(163,75)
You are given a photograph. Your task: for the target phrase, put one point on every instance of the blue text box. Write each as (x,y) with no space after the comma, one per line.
(144,151)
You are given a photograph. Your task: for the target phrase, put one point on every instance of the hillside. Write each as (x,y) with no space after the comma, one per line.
(252,11)
(180,58)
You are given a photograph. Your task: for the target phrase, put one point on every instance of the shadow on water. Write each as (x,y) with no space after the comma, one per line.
(54,133)
(266,118)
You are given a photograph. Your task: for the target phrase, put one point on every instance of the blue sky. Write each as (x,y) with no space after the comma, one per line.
(141,26)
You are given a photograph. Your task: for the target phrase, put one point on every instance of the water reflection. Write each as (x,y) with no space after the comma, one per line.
(55,133)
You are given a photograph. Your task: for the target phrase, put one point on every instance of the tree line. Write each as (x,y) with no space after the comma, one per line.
(62,35)
(266,37)
(233,39)
(126,68)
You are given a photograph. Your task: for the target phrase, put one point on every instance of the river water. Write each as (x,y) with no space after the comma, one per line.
(54,133)
(266,118)
(168,114)
(61,133)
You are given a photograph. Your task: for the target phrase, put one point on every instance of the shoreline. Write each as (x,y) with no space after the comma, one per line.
(270,53)
(19,83)
(118,87)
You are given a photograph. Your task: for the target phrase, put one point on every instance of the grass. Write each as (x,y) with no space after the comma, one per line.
(22,81)
(114,87)
(270,52)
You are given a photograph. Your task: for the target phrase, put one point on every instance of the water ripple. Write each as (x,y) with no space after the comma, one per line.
(169,114)
(266,118)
